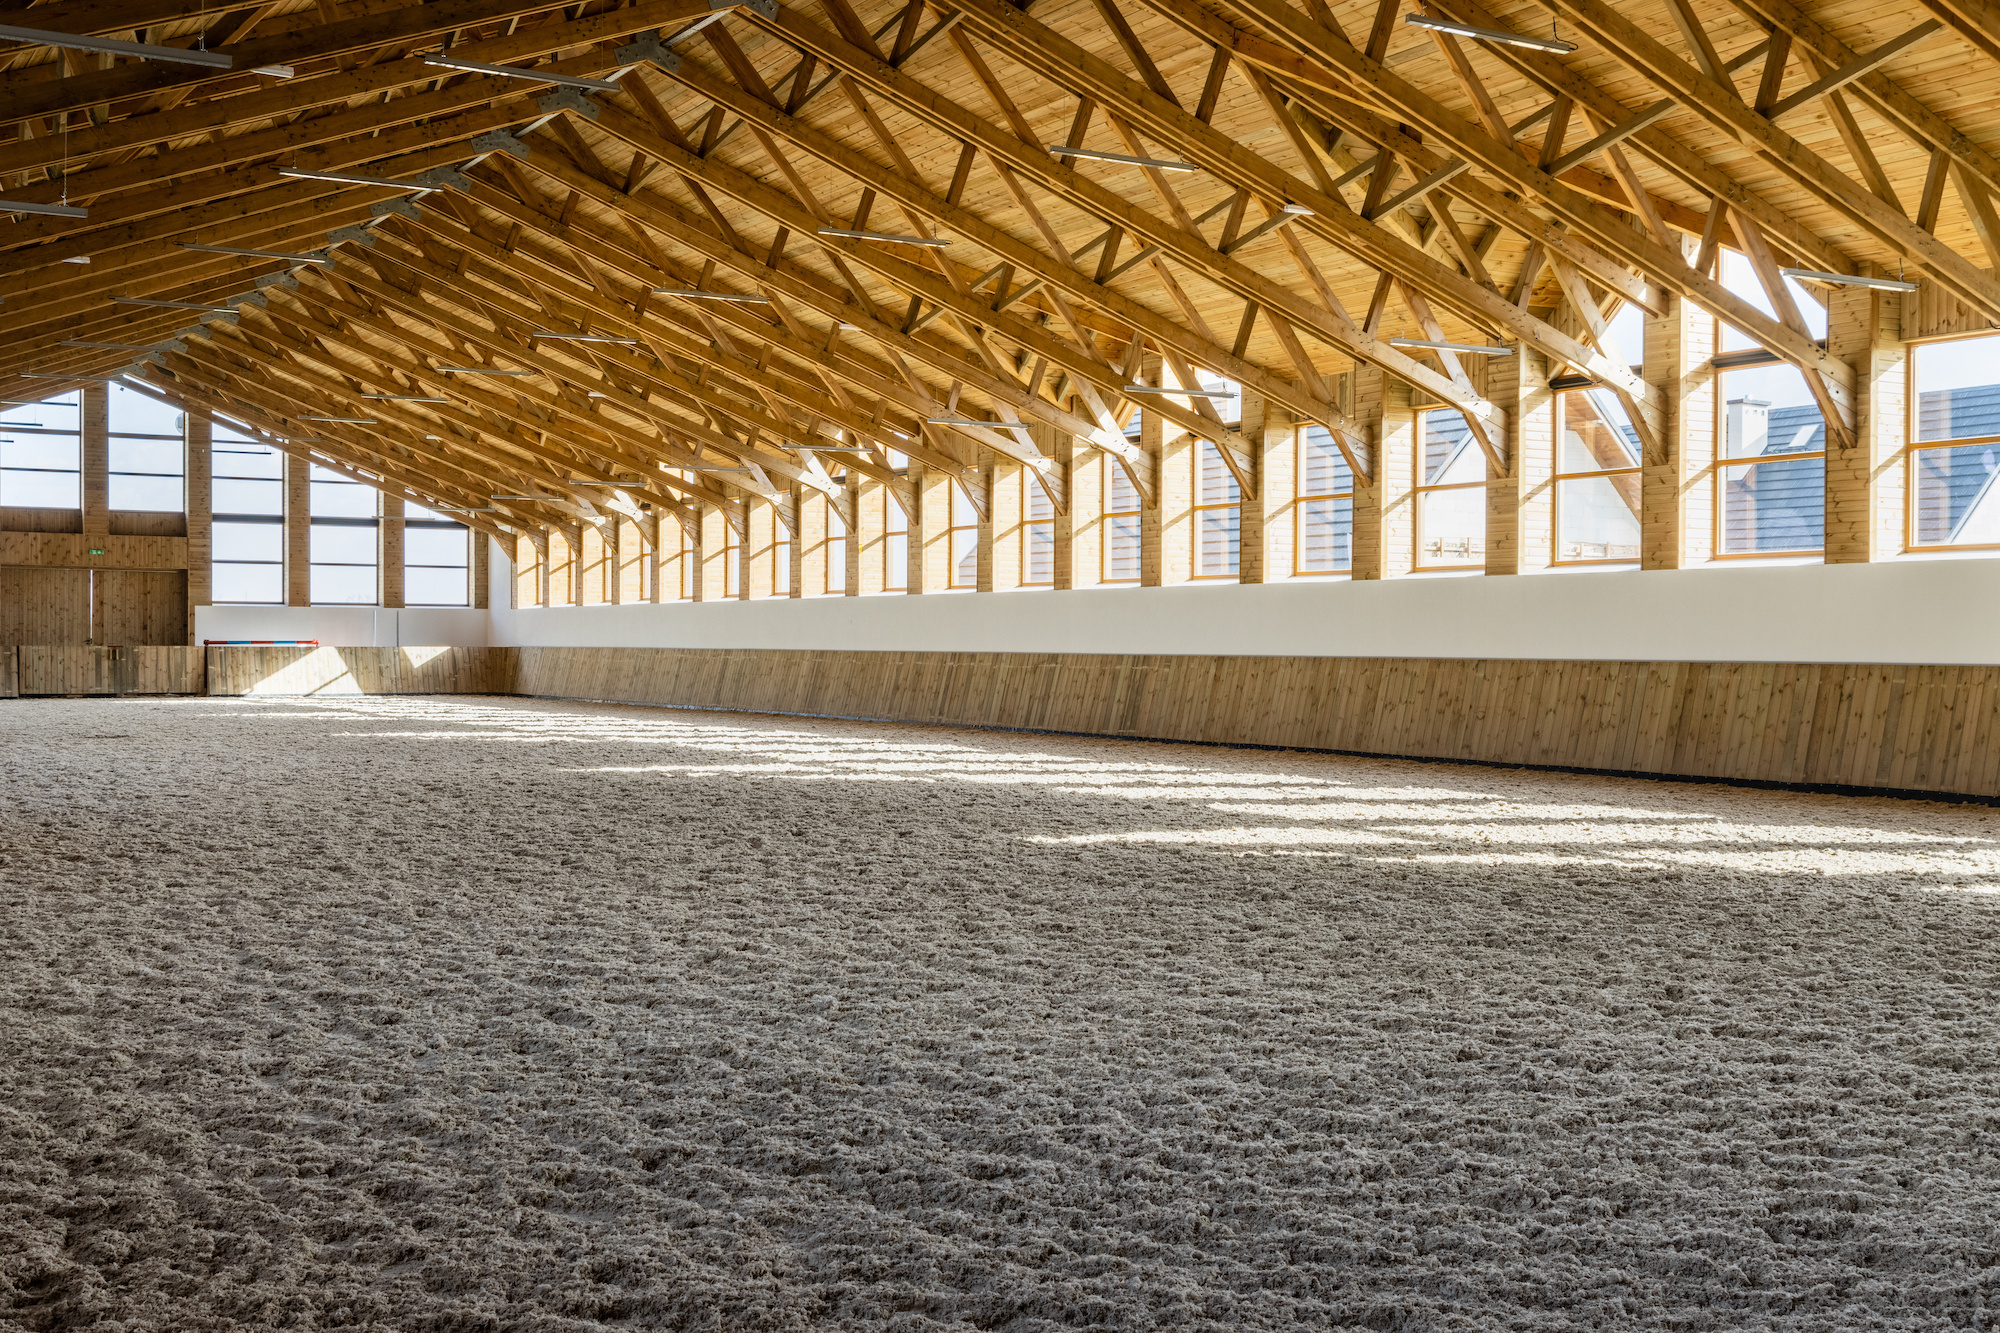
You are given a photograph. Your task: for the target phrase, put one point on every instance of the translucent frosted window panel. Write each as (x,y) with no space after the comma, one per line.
(229,495)
(59,453)
(244,459)
(1450,454)
(52,413)
(343,585)
(965,557)
(1035,506)
(1957,500)
(1218,537)
(434,587)
(1451,527)
(1039,554)
(132,413)
(1121,548)
(248,583)
(1119,492)
(40,490)
(342,499)
(1769,410)
(147,494)
(896,560)
(1323,468)
(836,564)
(342,545)
(1326,536)
(1597,436)
(962,513)
(158,457)
(1958,389)
(1774,507)
(1214,482)
(435,546)
(1597,518)
(248,541)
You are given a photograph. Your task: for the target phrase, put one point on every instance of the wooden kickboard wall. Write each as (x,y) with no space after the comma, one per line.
(45,669)
(280,671)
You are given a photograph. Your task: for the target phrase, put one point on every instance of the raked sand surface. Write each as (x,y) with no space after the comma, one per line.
(471,1014)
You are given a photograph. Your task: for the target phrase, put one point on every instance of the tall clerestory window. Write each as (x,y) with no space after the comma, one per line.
(1323,534)
(1770,473)
(247,494)
(41,454)
(345,540)
(148,454)
(437,559)
(1954,451)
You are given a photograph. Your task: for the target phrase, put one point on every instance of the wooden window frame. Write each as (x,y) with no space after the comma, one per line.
(1418,490)
(1106,514)
(1912,447)
(1030,485)
(1557,477)
(1301,497)
(1197,507)
(1719,469)
(959,495)
(898,578)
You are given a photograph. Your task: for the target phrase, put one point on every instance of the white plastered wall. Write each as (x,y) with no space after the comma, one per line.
(347,626)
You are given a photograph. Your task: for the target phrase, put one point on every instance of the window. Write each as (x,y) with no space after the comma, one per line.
(687,560)
(437,559)
(1218,514)
(1597,480)
(247,493)
(147,454)
(1955,398)
(1323,536)
(41,454)
(963,539)
(343,541)
(732,559)
(895,543)
(836,549)
(781,561)
(1451,493)
(1770,480)
(1038,533)
(1120,547)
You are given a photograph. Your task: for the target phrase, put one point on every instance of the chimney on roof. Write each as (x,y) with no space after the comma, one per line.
(1748,427)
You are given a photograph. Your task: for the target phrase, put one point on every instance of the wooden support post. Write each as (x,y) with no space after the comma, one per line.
(200,517)
(1865,483)
(1062,447)
(813,554)
(1677,494)
(794,534)
(851,586)
(930,530)
(1385,509)
(94,419)
(655,527)
(482,569)
(298,531)
(389,554)
(1520,502)
(1002,540)
(1265,536)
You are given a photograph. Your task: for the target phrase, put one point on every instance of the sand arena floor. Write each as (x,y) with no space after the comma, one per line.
(430,1014)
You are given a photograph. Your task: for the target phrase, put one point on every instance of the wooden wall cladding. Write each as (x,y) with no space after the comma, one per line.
(349,671)
(1906,728)
(10,673)
(142,606)
(45,669)
(44,606)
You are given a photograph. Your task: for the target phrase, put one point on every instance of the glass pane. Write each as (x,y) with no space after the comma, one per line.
(732,571)
(41,451)
(248,583)
(41,490)
(248,497)
(1774,506)
(1119,492)
(896,560)
(1326,532)
(133,413)
(1957,503)
(1039,554)
(159,495)
(836,526)
(1769,410)
(343,545)
(1322,467)
(1958,397)
(836,564)
(1035,504)
(893,517)
(1628,336)
(1451,527)
(965,557)
(248,541)
(1741,279)
(343,585)
(962,513)
(434,546)
(50,413)
(1597,436)
(343,499)
(1597,518)
(1121,548)
(160,457)
(434,587)
(1214,482)
(781,570)
(1218,542)
(1449,452)
(246,460)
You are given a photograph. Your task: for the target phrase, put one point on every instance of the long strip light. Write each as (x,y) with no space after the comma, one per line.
(255,254)
(694,295)
(342,421)
(584,337)
(46,210)
(343,178)
(891,237)
(1501,35)
(111,45)
(481,370)
(1848,280)
(1161,164)
(524,497)
(275,71)
(962,421)
(1470,349)
(400,398)
(1180,393)
(520,72)
(172,305)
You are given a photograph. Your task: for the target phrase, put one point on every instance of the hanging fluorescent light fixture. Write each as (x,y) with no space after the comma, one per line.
(584,337)
(521,72)
(255,254)
(1180,393)
(1470,349)
(891,237)
(524,497)
(1849,280)
(343,178)
(400,398)
(694,295)
(481,370)
(274,71)
(1159,164)
(112,46)
(961,421)
(1296,211)
(1501,35)
(77,259)
(173,305)
(343,421)
(45,210)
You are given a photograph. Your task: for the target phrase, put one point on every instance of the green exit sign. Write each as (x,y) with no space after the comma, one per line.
(97,550)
